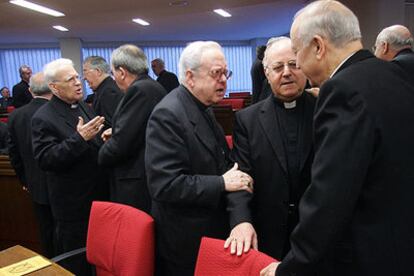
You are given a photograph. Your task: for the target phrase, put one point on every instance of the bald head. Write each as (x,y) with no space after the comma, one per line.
(392,40)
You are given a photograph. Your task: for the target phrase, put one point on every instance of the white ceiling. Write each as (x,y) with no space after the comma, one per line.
(110,20)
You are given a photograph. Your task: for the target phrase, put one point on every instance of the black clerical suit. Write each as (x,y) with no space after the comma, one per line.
(106,99)
(28,171)
(258,76)
(185,159)
(124,151)
(21,94)
(168,80)
(273,144)
(356,217)
(405,59)
(73,176)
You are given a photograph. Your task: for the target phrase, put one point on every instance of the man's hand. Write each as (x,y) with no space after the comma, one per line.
(236,180)
(270,270)
(88,131)
(242,236)
(107,134)
(314,91)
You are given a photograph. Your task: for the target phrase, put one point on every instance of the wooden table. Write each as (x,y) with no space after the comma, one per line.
(18,253)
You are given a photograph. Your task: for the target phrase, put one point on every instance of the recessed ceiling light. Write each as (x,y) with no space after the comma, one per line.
(36,7)
(178,3)
(140,21)
(60,28)
(222,13)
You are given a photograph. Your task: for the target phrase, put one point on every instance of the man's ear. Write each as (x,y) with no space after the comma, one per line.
(189,78)
(53,87)
(385,48)
(319,46)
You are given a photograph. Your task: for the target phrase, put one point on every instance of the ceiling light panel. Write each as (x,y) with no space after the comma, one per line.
(36,7)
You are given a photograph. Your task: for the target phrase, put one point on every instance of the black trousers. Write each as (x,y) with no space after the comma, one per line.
(47,228)
(72,235)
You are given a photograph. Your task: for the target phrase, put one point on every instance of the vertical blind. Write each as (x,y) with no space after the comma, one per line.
(239,60)
(12,59)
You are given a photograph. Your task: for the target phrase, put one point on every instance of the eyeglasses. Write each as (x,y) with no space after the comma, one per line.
(217,73)
(278,67)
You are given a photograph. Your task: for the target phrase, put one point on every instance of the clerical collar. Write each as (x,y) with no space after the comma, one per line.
(73,106)
(286,105)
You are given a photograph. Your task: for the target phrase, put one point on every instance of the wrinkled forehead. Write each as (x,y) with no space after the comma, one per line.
(65,72)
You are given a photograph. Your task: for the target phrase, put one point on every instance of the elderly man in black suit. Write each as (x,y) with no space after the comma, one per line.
(395,43)
(107,94)
(21,93)
(65,143)
(5,100)
(273,144)
(356,215)
(187,161)
(124,146)
(30,175)
(167,79)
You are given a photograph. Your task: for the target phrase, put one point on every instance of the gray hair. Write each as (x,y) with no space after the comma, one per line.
(329,19)
(159,61)
(38,85)
(23,67)
(97,62)
(131,58)
(270,43)
(397,36)
(51,69)
(190,58)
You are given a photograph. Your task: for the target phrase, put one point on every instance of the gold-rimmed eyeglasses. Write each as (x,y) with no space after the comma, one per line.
(217,73)
(278,67)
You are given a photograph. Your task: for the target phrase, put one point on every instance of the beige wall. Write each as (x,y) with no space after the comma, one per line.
(374,15)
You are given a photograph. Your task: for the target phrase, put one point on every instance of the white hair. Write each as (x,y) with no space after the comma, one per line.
(52,68)
(329,19)
(270,44)
(38,85)
(190,58)
(396,37)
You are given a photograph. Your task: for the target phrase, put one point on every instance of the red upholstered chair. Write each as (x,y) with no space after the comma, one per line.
(120,240)
(10,109)
(229,140)
(236,104)
(239,94)
(214,260)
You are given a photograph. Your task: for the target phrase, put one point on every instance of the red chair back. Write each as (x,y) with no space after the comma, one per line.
(239,94)
(229,140)
(236,104)
(120,240)
(10,109)
(213,259)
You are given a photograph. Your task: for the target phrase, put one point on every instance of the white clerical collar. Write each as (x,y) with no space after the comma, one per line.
(340,64)
(290,105)
(73,106)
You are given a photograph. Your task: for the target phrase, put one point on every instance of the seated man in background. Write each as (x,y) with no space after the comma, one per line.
(106,93)
(187,161)
(65,139)
(27,170)
(273,144)
(124,148)
(5,99)
(167,79)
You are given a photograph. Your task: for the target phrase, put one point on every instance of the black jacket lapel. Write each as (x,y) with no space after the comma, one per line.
(270,126)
